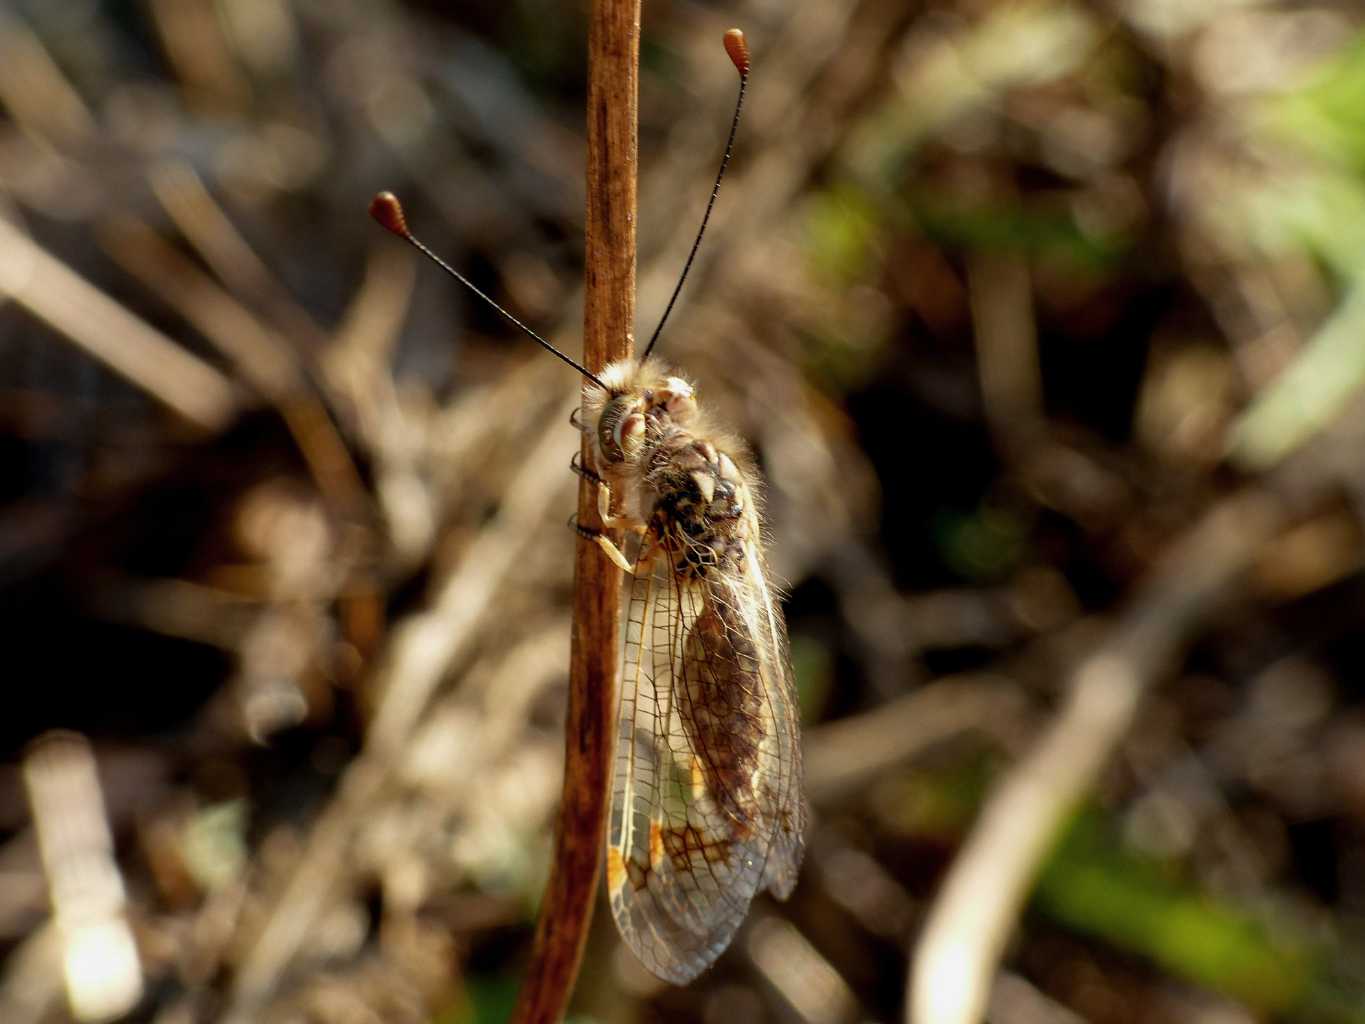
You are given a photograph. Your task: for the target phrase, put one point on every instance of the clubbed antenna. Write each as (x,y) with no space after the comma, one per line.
(388,211)
(738,50)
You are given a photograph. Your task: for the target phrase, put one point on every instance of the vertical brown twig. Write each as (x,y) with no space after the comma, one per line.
(609,316)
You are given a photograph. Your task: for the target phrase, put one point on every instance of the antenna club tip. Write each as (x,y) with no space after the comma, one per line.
(738,49)
(386,209)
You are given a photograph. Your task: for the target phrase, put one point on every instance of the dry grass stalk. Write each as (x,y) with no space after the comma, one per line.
(67,302)
(964,937)
(609,316)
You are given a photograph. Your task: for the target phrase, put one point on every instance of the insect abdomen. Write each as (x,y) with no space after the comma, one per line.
(722,712)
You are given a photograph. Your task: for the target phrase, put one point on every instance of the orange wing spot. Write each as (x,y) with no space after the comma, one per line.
(616,870)
(698,778)
(656,844)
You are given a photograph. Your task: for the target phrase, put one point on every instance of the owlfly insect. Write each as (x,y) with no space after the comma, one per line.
(706,799)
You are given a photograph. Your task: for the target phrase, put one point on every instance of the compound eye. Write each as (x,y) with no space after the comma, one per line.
(616,429)
(630,434)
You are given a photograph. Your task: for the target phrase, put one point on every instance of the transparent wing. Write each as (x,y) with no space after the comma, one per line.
(706,804)
(781,778)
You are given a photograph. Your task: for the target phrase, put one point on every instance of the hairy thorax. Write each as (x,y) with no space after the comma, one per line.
(699,512)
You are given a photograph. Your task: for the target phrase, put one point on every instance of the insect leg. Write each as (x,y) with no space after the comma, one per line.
(587,474)
(604,542)
(604,512)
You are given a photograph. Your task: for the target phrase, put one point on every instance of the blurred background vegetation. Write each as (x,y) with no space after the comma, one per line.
(1010,297)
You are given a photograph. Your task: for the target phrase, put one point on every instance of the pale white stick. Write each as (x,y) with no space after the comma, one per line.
(60,297)
(974,913)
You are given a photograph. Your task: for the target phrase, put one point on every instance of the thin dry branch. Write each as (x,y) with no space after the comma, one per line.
(262,355)
(209,229)
(844,757)
(971,920)
(418,655)
(608,324)
(56,294)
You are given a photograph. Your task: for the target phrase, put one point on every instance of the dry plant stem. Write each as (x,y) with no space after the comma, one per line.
(608,323)
(56,294)
(416,658)
(211,232)
(1007,348)
(844,757)
(262,356)
(209,229)
(974,913)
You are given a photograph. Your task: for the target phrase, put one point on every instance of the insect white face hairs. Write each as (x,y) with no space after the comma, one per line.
(706,796)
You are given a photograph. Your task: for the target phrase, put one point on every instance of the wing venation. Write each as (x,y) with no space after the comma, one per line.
(706,804)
